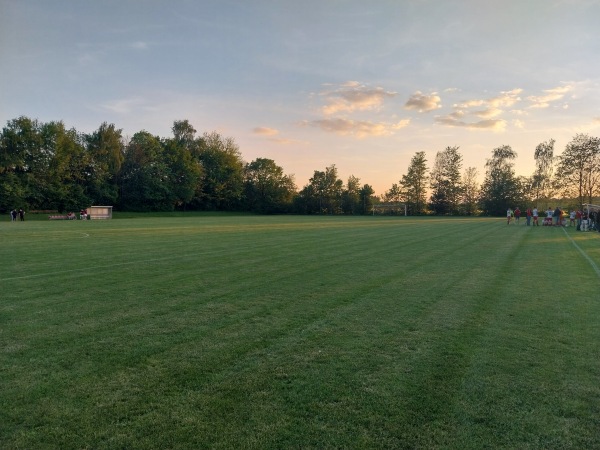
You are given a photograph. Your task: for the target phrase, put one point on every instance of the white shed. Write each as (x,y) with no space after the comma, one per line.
(100,212)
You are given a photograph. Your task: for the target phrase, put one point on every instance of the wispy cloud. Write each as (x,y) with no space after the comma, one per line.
(265,131)
(357,128)
(505,99)
(488,113)
(423,102)
(482,113)
(353,96)
(517,123)
(454,120)
(550,95)
(285,141)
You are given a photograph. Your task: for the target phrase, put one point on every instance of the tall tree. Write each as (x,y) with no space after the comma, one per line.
(322,194)
(146,176)
(470,193)
(106,149)
(414,184)
(267,189)
(544,167)
(445,181)
(21,160)
(500,188)
(579,168)
(394,194)
(366,198)
(185,171)
(184,133)
(223,173)
(351,201)
(64,182)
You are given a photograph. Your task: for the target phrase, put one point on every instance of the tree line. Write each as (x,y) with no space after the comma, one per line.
(45,166)
(573,175)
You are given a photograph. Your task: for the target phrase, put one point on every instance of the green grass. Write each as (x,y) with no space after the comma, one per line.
(298,332)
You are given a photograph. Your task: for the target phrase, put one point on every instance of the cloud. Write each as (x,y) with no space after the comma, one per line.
(358,128)
(506,98)
(488,113)
(265,131)
(454,120)
(519,124)
(550,95)
(353,96)
(486,109)
(423,103)
(284,141)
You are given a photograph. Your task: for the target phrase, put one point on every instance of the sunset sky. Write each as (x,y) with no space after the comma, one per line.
(359,84)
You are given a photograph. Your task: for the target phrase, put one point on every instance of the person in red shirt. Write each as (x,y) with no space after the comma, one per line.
(517,214)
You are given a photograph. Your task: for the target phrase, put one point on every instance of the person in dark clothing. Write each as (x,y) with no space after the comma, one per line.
(21,215)
(556,216)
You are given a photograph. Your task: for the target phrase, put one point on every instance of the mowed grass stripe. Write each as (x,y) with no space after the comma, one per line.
(313,333)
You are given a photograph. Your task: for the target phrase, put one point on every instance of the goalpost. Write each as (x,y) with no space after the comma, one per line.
(390,209)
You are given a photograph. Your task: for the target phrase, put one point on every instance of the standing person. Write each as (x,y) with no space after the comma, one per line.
(508,216)
(528,216)
(560,217)
(13,215)
(556,216)
(21,215)
(578,216)
(572,218)
(517,214)
(535,216)
(548,219)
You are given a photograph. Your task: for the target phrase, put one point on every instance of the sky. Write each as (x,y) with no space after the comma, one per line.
(360,84)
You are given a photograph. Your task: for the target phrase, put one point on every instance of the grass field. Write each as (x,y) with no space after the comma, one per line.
(298,332)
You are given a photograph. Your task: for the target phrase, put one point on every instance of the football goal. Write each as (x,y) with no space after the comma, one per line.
(390,209)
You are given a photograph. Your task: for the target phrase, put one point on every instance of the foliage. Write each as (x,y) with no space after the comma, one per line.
(446,182)
(222,182)
(48,166)
(579,168)
(107,154)
(414,184)
(267,189)
(145,176)
(541,182)
(501,188)
(322,194)
(470,192)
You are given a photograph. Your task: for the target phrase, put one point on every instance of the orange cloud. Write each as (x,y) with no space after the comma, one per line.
(423,102)
(453,120)
(352,96)
(265,131)
(551,95)
(358,128)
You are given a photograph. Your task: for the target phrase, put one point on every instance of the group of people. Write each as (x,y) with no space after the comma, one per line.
(83,215)
(554,217)
(20,214)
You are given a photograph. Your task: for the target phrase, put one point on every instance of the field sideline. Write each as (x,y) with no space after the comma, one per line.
(298,332)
